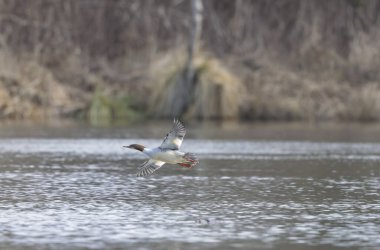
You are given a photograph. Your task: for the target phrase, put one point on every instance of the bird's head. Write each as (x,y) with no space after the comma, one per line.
(135,146)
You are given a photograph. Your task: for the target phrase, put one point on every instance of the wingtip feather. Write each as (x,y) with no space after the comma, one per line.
(148,167)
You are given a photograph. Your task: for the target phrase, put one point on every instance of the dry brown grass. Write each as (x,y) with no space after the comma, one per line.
(315,60)
(277,93)
(270,91)
(363,104)
(217,93)
(29,91)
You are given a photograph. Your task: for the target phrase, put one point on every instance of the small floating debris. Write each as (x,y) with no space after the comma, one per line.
(205,221)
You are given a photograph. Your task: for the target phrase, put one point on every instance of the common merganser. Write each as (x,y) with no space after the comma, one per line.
(168,152)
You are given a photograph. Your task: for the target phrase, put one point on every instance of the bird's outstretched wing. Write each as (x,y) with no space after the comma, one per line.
(148,167)
(174,138)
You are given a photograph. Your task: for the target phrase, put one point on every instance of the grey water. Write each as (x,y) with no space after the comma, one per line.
(256,187)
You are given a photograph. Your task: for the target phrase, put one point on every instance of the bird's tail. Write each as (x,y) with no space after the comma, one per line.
(189,160)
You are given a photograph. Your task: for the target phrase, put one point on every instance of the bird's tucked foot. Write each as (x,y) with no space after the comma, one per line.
(185,165)
(190,160)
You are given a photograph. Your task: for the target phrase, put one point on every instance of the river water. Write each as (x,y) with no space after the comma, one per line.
(256,187)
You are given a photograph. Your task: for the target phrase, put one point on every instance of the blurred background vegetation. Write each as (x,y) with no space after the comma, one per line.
(103,60)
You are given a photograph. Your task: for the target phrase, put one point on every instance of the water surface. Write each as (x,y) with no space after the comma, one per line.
(75,188)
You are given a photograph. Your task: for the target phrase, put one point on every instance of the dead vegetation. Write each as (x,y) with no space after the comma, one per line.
(29,91)
(215,92)
(261,60)
(277,93)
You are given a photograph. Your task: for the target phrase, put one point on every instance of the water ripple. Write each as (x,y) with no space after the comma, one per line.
(62,194)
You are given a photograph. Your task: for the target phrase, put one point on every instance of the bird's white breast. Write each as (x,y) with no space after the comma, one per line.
(169,156)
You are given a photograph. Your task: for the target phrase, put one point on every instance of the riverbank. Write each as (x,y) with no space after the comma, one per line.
(266,91)
(257,62)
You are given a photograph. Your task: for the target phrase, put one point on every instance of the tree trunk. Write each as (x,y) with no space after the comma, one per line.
(182,95)
(195,37)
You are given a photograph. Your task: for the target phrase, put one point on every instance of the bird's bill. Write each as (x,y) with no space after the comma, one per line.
(126,146)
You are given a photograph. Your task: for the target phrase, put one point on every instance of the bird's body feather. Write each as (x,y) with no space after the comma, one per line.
(165,155)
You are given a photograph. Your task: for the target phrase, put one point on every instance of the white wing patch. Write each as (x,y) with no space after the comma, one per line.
(148,167)
(174,138)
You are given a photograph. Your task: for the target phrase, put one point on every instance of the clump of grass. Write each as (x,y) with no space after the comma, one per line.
(277,93)
(219,93)
(30,91)
(106,109)
(215,92)
(363,104)
(280,94)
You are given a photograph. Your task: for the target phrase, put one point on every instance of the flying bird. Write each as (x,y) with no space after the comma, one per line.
(167,152)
